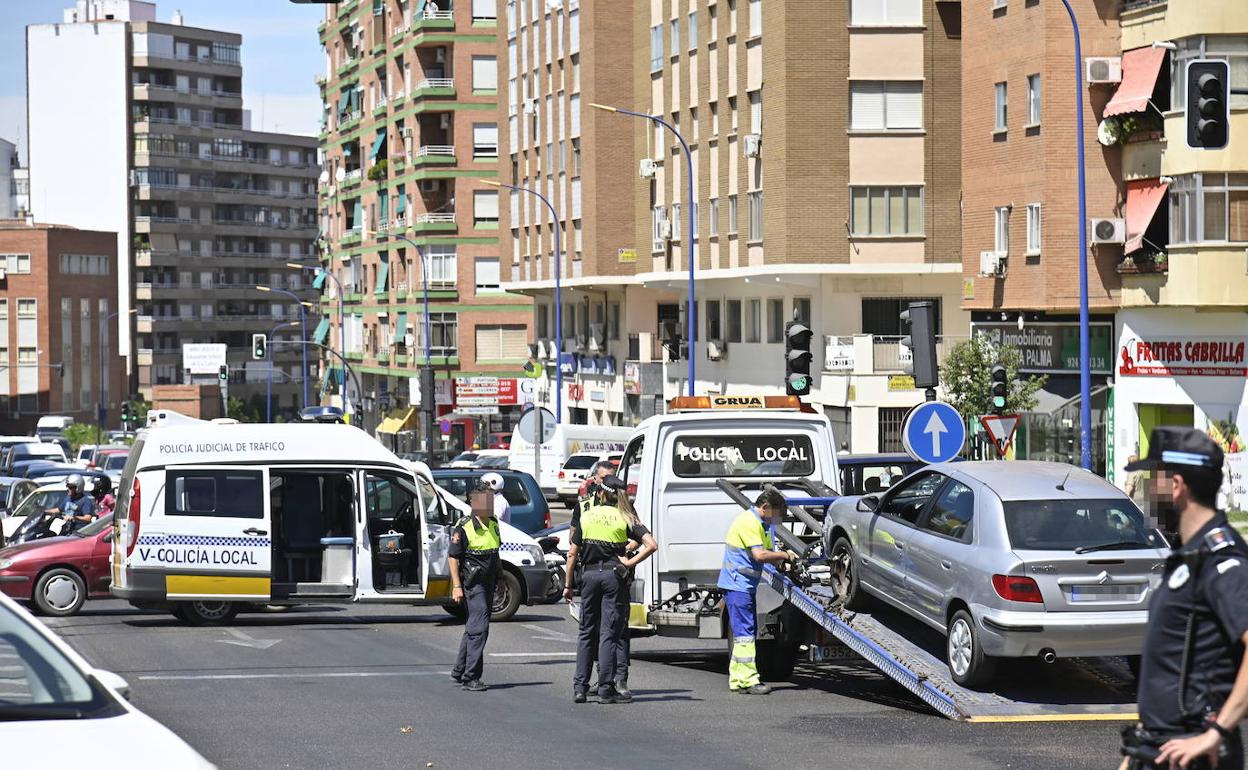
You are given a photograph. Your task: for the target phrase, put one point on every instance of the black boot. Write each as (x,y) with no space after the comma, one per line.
(622,692)
(578,696)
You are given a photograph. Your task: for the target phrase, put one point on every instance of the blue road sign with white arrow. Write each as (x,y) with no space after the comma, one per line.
(933,432)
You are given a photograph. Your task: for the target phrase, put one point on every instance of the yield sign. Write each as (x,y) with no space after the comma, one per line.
(1000,429)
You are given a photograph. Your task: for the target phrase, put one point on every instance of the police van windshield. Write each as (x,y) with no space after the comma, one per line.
(704,456)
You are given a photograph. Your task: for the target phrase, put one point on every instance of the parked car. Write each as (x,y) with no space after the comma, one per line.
(529,511)
(462,460)
(12,492)
(58,711)
(863,474)
(500,440)
(30,517)
(32,450)
(83,457)
(493,462)
(60,441)
(1007,559)
(103,451)
(440,457)
(58,574)
(573,472)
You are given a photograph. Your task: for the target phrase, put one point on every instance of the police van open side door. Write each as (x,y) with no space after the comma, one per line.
(211,534)
(437,520)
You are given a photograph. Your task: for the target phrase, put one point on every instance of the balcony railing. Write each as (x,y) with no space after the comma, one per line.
(428,219)
(429,83)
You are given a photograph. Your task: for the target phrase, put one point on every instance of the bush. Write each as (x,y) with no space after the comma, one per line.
(967,375)
(378,171)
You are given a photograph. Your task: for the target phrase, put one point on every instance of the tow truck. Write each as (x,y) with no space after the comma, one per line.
(693,469)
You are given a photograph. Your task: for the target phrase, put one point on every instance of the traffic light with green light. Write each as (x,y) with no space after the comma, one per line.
(797,357)
(1000,387)
(259,347)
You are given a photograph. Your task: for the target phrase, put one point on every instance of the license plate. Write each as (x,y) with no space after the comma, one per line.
(822,653)
(1104,593)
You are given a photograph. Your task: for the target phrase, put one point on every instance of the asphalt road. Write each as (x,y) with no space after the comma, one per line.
(367,686)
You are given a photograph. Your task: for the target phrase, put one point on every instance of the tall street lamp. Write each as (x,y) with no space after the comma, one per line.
(99,417)
(268,392)
(319,271)
(303,324)
(558,292)
(692,316)
(429,408)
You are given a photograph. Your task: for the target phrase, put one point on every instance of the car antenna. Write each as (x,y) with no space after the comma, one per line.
(1061,485)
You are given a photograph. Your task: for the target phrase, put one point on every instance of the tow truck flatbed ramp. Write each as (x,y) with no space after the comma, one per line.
(927,675)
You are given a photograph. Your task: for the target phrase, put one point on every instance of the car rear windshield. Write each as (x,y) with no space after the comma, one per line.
(580,462)
(115,462)
(703,456)
(1064,525)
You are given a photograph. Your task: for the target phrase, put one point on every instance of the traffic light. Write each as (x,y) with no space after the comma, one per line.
(223,373)
(427,395)
(125,415)
(259,347)
(1208,104)
(797,357)
(60,369)
(920,320)
(1000,387)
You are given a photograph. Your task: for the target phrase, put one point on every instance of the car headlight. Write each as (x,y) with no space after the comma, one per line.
(536,554)
(6,563)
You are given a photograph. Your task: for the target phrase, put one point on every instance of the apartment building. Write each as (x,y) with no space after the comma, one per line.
(204,208)
(57,294)
(10,177)
(410,132)
(1181,332)
(823,142)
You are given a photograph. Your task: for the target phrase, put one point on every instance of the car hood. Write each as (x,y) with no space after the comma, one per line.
(147,743)
(64,541)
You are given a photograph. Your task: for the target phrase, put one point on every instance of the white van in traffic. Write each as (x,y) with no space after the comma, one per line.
(566,440)
(211,519)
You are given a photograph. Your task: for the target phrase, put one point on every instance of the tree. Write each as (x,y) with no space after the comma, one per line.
(968,382)
(79,433)
(242,411)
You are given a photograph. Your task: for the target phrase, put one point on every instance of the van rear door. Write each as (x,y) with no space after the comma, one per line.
(210,534)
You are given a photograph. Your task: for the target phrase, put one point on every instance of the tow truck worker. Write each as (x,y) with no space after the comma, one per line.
(474,567)
(747,548)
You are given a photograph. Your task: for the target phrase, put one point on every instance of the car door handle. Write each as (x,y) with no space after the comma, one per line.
(254,531)
(945,563)
(898,546)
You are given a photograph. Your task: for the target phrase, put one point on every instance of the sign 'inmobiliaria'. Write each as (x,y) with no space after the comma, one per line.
(1208,357)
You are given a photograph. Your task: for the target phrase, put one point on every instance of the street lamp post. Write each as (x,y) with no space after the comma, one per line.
(1085,363)
(268,392)
(318,270)
(692,316)
(428,409)
(303,324)
(99,416)
(558,292)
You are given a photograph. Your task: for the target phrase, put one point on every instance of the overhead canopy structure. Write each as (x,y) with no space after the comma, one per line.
(1144,197)
(1139,77)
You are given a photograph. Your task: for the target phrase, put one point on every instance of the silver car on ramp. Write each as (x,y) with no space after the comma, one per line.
(1007,559)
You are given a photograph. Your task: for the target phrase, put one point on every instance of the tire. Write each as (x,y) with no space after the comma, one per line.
(507,596)
(59,592)
(205,612)
(845,567)
(968,664)
(775,658)
(555,591)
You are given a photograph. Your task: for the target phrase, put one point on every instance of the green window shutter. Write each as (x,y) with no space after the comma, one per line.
(322,332)
(383,206)
(377,144)
(344,100)
(383,272)
(318,282)
(400,327)
(359,213)
(400,206)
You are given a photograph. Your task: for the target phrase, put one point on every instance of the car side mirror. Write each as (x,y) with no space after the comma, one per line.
(113,682)
(869,503)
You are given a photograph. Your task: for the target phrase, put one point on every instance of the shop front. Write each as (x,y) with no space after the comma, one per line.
(1187,368)
(486,411)
(593,394)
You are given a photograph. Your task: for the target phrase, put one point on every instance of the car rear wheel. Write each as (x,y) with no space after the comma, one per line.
(844,565)
(59,592)
(967,662)
(207,612)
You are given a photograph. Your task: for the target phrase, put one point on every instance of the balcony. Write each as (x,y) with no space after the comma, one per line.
(353,177)
(432,19)
(876,354)
(351,237)
(349,121)
(434,87)
(346,9)
(435,154)
(348,64)
(442,222)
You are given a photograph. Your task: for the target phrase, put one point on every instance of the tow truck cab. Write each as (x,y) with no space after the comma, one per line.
(671,465)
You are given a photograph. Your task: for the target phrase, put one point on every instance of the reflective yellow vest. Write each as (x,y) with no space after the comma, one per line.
(481,540)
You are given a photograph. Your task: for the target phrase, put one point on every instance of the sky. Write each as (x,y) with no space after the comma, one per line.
(281,56)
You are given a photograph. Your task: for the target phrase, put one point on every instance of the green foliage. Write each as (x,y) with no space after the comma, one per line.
(242,411)
(968,383)
(378,171)
(81,433)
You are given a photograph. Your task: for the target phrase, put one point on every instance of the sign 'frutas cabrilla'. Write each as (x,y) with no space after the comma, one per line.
(1209,357)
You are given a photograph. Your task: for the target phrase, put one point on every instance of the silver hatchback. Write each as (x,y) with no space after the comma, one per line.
(1007,559)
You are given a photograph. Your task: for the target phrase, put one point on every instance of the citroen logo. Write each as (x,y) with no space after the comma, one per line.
(1104,578)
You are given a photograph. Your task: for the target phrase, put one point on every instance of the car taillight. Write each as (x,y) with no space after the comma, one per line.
(132,519)
(561,474)
(546,519)
(1016,588)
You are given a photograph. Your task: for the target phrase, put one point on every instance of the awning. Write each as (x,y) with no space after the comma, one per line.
(396,424)
(383,272)
(343,100)
(319,281)
(400,206)
(358,219)
(400,326)
(1139,77)
(377,144)
(1144,196)
(322,332)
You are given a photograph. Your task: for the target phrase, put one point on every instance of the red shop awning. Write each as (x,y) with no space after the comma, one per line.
(1139,77)
(1143,198)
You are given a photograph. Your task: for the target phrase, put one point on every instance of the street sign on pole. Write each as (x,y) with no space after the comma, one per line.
(1000,428)
(933,432)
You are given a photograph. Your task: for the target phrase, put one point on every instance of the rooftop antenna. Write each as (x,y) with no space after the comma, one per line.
(1061,486)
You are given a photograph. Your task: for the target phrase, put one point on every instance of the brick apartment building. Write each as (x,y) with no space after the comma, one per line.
(58,290)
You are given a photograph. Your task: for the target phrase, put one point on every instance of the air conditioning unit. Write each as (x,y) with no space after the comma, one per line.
(444,120)
(648,168)
(753,145)
(1107,230)
(991,264)
(1103,69)
(406,133)
(439,54)
(665,230)
(716,350)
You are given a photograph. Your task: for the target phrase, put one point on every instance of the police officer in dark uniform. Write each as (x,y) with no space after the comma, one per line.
(598,543)
(1193,684)
(474,568)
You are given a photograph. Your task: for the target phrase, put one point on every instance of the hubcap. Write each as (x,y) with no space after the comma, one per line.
(211,610)
(960,647)
(502,596)
(842,568)
(60,592)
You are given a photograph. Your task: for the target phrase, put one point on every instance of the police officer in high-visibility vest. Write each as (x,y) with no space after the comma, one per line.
(747,548)
(474,568)
(1193,683)
(598,544)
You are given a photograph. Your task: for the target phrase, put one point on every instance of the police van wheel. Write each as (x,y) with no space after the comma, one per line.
(844,563)
(207,612)
(776,659)
(967,662)
(507,596)
(59,592)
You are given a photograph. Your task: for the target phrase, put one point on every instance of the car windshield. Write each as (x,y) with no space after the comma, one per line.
(85,453)
(38,502)
(580,462)
(1065,525)
(37,681)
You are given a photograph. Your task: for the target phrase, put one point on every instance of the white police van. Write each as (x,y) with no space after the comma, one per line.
(212,519)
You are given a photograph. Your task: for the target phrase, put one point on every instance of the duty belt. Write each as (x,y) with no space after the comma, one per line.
(490,552)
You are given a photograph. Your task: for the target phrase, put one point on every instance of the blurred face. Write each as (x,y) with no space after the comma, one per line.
(603,471)
(483,503)
(770,515)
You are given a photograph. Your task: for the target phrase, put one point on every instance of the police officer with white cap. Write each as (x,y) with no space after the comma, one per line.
(1193,683)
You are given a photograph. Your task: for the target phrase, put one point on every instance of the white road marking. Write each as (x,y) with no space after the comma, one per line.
(546,634)
(317,675)
(530,654)
(243,640)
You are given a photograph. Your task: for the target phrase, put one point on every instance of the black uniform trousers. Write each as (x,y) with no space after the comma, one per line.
(478,600)
(623,650)
(1233,757)
(600,626)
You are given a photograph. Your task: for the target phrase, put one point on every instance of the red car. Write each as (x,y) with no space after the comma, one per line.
(59,574)
(500,441)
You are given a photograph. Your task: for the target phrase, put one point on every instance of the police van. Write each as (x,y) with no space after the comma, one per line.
(212,519)
(673,464)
